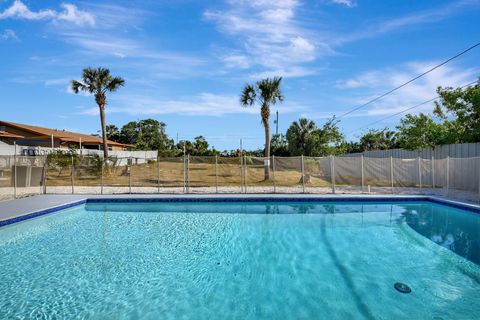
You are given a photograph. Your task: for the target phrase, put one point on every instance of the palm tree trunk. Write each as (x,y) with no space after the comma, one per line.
(104,132)
(267,148)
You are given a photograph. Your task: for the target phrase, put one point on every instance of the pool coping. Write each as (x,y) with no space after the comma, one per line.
(137,198)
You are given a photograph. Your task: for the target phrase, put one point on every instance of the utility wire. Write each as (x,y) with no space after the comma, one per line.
(408,109)
(409,81)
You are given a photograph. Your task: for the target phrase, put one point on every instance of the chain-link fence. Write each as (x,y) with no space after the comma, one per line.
(74,174)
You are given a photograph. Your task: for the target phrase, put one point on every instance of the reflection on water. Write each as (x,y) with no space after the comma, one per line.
(454,229)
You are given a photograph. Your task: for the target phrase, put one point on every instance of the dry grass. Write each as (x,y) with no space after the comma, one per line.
(171,174)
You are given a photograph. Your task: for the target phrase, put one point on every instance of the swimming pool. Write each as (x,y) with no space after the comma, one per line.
(243,260)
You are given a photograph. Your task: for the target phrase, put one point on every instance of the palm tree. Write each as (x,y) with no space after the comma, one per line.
(298,136)
(265,92)
(98,82)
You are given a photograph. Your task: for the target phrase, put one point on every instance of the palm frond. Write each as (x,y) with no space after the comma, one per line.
(77,86)
(103,78)
(248,96)
(89,75)
(114,84)
(270,90)
(97,81)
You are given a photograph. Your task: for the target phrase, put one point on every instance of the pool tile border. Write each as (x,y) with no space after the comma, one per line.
(446,202)
(455,204)
(257,199)
(41,212)
(450,203)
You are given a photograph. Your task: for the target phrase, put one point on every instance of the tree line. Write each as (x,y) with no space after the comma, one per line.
(455,119)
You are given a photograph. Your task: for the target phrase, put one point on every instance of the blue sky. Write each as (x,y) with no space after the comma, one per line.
(185,61)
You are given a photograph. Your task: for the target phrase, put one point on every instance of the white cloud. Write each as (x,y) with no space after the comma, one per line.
(157,63)
(9,34)
(19,10)
(291,72)
(203,104)
(275,36)
(70,90)
(237,61)
(279,14)
(57,81)
(302,47)
(269,36)
(70,13)
(117,17)
(377,82)
(346,3)
(366,79)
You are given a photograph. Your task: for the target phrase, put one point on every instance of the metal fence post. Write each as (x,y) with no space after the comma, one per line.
(188,173)
(44,176)
(433,174)
(130,163)
(241,173)
(391,173)
(245,169)
(303,175)
(273,172)
(101,175)
(72,169)
(184,174)
(420,172)
(158,174)
(363,174)
(15,172)
(332,172)
(448,175)
(216,174)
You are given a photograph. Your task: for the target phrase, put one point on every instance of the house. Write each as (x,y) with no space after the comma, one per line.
(27,135)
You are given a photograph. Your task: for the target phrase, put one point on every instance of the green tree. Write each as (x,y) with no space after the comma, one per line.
(351,147)
(200,146)
(305,138)
(420,131)
(113,133)
(129,133)
(146,134)
(298,136)
(326,140)
(376,139)
(265,92)
(463,104)
(98,82)
(187,146)
(279,145)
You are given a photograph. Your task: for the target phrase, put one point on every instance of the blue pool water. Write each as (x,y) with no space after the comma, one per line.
(242,261)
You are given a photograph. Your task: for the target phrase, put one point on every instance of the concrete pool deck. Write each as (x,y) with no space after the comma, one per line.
(15,209)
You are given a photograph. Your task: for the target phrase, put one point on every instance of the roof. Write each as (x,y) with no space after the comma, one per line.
(4,134)
(61,135)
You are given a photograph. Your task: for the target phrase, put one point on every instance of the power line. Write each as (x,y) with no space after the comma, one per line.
(409,81)
(407,109)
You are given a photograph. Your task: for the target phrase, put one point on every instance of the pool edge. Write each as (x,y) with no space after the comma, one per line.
(244,198)
(34,214)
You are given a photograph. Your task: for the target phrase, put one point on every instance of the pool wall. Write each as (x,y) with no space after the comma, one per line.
(243,198)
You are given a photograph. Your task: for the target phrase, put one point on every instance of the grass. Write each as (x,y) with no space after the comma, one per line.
(203,172)
(171,174)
